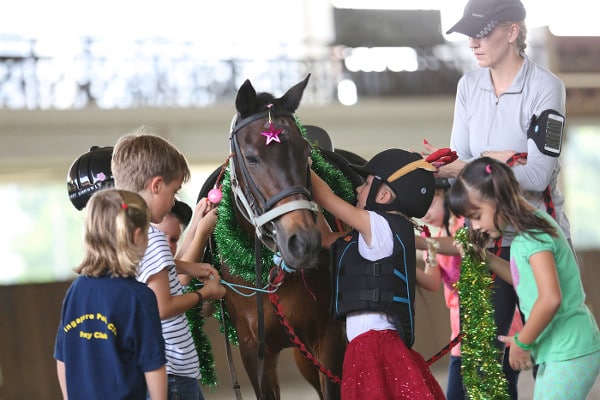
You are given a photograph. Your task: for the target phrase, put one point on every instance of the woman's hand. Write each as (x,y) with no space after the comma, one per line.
(504,156)
(444,170)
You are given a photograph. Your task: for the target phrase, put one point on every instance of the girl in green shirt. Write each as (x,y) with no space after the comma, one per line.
(560,332)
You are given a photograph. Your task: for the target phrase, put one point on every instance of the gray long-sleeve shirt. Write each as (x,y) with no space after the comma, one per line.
(486,122)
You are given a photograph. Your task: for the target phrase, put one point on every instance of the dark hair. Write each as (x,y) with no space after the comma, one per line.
(495,182)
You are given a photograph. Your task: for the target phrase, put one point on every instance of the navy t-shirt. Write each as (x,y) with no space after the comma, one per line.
(109,336)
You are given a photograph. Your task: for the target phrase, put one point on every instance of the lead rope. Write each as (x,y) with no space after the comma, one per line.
(274,298)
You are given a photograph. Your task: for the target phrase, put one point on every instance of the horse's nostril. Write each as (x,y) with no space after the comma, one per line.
(305,245)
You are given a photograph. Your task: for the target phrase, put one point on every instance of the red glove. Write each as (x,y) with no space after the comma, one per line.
(442,156)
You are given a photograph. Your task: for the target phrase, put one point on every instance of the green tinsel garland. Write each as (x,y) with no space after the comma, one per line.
(236,248)
(203,347)
(481,370)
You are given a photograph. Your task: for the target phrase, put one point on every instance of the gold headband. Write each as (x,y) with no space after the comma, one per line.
(411,167)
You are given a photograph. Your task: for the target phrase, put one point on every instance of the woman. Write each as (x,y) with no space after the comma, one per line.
(494,109)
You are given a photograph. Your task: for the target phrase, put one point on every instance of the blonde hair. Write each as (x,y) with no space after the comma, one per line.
(112,218)
(520,42)
(141,156)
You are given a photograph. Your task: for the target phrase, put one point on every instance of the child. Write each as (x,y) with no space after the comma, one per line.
(174,222)
(375,277)
(559,333)
(446,269)
(109,343)
(192,249)
(155,169)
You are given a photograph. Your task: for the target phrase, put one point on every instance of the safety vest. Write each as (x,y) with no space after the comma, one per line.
(386,285)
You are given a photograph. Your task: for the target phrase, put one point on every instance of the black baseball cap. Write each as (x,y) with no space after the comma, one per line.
(481,16)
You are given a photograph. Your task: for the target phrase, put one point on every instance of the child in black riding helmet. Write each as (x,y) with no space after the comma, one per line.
(375,268)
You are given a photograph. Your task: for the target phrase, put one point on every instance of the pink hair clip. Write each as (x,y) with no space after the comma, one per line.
(488,169)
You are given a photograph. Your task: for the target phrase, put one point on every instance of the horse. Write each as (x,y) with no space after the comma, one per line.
(267,196)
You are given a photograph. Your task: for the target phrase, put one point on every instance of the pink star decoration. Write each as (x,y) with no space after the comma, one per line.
(272,134)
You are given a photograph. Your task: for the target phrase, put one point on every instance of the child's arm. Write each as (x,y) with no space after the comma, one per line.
(202,271)
(355,217)
(156,381)
(170,306)
(200,228)
(62,378)
(543,311)
(194,242)
(429,278)
(446,245)
(500,267)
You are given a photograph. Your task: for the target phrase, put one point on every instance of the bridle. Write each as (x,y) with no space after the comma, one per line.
(257,210)
(260,212)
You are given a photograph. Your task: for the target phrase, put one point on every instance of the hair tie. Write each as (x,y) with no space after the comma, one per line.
(488,169)
(124,206)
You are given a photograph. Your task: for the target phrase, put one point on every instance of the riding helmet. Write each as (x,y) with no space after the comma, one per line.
(89,173)
(408,175)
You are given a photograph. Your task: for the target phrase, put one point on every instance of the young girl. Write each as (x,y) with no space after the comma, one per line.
(445,269)
(109,343)
(374,267)
(559,333)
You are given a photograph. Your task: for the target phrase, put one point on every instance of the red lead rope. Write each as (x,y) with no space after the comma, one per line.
(274,298)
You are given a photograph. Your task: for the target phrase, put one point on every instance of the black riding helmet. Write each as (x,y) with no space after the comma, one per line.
(407,174)
(89,173)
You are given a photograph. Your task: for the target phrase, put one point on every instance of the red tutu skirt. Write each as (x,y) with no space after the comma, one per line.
(379,366)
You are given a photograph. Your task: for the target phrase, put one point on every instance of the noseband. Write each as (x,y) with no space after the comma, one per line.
(255,208)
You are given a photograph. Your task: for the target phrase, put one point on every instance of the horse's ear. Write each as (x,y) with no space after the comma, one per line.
(246,101)
(291,99)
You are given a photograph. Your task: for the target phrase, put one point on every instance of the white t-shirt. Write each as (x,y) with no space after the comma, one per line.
(182,358)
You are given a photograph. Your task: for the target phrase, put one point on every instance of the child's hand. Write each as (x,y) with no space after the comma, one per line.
(459,247)
(519,359)
(205,272)
(206,225)
(205,216)
(213,290)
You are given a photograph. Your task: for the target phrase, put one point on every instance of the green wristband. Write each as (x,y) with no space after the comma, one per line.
(526,347)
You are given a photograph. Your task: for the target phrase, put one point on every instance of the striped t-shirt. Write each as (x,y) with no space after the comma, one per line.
(182,358)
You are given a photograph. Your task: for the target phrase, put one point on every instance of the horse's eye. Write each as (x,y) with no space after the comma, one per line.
(251,160)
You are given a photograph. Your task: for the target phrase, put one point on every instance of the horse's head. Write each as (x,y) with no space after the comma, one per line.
(271,176)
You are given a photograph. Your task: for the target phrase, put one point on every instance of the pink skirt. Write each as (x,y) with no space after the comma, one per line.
(378,365)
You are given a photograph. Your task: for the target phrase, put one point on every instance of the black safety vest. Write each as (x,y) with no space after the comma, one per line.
(386,285)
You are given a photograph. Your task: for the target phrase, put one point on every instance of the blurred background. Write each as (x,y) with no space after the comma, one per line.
(383,74)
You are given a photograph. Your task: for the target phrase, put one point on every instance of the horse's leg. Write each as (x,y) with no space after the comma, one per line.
(270,381)
(308,371)
(330,351)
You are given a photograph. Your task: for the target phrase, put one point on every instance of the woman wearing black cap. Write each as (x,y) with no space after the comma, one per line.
(498,108)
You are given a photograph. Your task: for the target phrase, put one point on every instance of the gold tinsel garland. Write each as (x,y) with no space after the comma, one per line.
(482,373)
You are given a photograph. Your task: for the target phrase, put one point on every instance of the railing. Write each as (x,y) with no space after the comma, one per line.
(154,73)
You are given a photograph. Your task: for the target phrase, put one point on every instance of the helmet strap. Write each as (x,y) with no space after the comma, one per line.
(371,203)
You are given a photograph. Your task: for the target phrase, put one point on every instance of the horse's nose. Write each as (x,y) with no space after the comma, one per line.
(304,246)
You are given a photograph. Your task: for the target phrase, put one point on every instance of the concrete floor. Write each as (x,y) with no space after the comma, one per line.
(294,387)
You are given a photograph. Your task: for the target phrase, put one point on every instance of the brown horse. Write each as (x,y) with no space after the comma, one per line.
(268,189)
